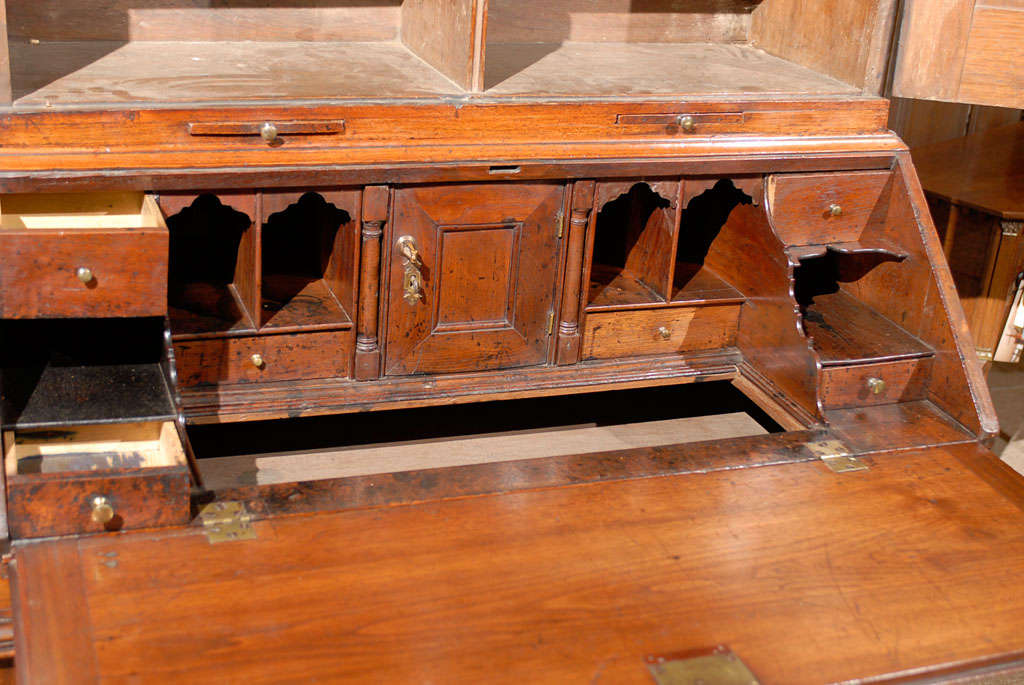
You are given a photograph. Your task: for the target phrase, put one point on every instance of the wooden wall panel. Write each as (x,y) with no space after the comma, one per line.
(124,20)
(846,40)
(448,35)
(994,66)
(634,21)
(962,51)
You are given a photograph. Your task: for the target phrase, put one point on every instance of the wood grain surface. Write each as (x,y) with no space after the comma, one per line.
(805,574)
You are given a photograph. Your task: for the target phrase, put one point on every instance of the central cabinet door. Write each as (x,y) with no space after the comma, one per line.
(478,291)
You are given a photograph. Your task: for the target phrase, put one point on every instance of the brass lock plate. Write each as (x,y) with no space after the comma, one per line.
(835,455)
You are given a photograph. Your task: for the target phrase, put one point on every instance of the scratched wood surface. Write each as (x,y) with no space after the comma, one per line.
(806,574)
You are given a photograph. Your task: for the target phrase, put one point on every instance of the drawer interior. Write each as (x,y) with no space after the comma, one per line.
(70,211)
(93,448)
(58,372)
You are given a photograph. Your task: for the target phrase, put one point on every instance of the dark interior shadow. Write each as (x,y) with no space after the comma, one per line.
(621,222)
(203,257)
(297,246)
(703,218)
(823,275)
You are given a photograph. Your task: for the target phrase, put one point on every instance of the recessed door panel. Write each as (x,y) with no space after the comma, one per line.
(472,277)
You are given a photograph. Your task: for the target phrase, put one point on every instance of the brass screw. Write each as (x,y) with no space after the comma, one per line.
(835,210)
(257,361)
(876,386)
(664,333)
(84,274)
(102,510)
(687,123)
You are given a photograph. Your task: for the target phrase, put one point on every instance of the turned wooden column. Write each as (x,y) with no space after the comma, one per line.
(569,325)
(375,215)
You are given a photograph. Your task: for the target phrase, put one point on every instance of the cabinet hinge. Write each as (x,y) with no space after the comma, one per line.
(551,321)
(226,522)
(836,456)
(560,223)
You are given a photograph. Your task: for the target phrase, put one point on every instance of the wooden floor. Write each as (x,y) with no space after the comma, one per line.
(807,575)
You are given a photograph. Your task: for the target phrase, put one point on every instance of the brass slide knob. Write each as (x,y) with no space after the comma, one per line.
(102,509)
(84,274)
(835,210)
(268,132)
(687,123)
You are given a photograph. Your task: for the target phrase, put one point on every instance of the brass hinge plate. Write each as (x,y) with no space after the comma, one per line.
(226,522)
(551,322)
(836,456)
(721,667)
(1012,229)
(560,223)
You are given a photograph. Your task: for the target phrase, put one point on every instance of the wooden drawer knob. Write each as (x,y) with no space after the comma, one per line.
(664,333)
(258,361)
(835,210)
(102,510)
(85,274)
(876,386)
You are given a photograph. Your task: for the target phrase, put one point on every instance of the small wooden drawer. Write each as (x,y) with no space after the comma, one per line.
(864,385)
(664,330)
(815,209)
(262,358)
(95,478)
(82,255)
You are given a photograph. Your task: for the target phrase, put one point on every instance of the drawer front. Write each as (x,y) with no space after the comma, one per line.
(110,273)
(63,504)
(264,358)
(814,209)
(608,335)
(858,386)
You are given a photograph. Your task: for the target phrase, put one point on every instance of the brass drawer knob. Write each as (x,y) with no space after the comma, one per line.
(268,132)
(876,386)
(687,123)
(85,274)
(258,361)
(835,210)
(102,510)
(664,333)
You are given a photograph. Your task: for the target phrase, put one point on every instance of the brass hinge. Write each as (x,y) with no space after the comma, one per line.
(719,667)
(560,223)
(1012,229)
(551,321)
(226,522)
(836,456)
(984,355)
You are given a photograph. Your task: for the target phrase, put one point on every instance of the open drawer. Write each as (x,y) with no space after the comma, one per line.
(95,478)
(82,255)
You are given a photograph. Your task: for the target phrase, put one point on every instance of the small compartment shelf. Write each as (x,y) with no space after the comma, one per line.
(309,251)
(634,229)
(213,252)
(844,330)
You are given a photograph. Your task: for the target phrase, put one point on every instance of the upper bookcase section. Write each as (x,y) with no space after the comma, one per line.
(121,53)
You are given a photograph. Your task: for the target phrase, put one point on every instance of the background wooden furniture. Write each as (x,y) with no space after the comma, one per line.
(975,188)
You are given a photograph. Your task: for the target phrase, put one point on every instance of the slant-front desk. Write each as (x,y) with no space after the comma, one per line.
(217,216)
